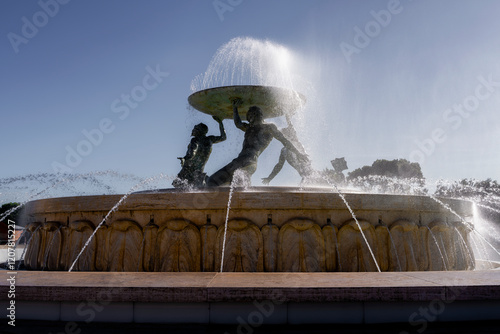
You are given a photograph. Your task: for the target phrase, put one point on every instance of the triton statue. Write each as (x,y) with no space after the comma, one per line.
(258,135)
(301,165)
(198,152)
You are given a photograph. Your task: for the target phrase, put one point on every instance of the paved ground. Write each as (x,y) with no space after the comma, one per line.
(251,301)
(203,287)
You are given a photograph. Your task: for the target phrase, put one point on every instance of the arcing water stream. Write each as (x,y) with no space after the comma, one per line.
(115,207)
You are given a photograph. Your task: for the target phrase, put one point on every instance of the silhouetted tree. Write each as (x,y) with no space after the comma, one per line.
(389,176)
(398,168)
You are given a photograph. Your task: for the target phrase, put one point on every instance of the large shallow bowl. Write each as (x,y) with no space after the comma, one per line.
(274,101)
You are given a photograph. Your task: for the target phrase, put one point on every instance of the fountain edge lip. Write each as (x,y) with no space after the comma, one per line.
(247,86)
(290,189)
(258,197)
(252,189)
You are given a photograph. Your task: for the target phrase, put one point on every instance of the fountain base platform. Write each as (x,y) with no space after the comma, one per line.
(253,299)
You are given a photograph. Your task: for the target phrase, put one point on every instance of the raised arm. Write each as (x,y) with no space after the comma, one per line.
(277,168)
(222,137)
(288,144)
(236,116)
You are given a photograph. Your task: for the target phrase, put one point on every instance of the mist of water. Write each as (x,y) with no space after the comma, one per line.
(357,223)
(439,248)
(47,251)
(26,247)
(394,247)
(30,187)
(248,61)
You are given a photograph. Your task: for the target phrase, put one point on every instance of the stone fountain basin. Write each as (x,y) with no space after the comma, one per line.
(270,229)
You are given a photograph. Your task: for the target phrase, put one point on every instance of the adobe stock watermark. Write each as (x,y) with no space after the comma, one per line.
(372,29)
(222,6)
(122,107)
(88,310)
(421,318)
(31,26)
(11,274)
(454,117)
(263,310)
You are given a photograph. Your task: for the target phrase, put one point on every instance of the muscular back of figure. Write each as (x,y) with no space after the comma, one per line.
(257,138)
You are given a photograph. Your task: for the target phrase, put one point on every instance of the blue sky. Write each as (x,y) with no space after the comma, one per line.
(425,86)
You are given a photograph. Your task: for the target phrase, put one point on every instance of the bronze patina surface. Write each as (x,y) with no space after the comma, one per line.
(274,101)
